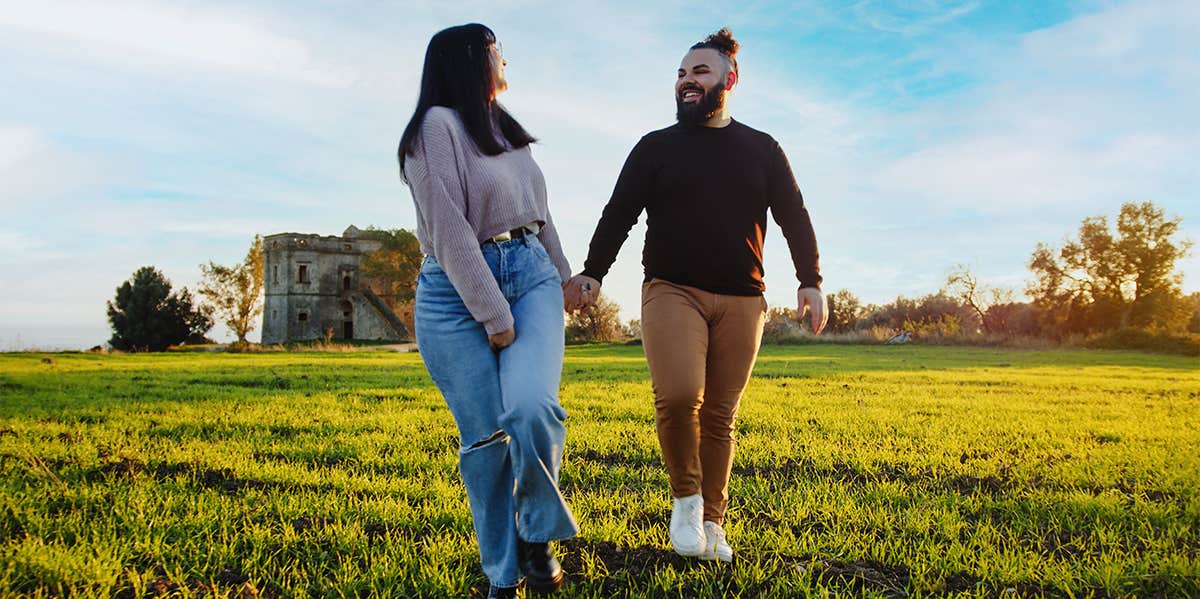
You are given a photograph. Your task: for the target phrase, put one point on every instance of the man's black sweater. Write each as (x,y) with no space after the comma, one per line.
(706,192)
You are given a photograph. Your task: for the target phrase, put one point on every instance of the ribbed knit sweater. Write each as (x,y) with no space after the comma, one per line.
(464,197)
(706,192)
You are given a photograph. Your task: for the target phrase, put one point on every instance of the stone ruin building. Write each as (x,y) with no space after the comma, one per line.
(313,284)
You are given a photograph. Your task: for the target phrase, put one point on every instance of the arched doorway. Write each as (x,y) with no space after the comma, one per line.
(347,318)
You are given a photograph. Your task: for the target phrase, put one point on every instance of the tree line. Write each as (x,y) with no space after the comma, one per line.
(1119,283)
(147,315)
(1112,285)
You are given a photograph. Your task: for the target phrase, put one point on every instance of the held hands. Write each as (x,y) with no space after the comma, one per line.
(502,339)
(580,292)
(811,298)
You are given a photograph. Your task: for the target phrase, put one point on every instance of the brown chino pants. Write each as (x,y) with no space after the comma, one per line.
(700,347)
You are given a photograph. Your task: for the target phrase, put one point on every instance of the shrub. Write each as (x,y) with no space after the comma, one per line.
(1138,339)
(1013,319)
(599,322)
(781,326)
(935,314)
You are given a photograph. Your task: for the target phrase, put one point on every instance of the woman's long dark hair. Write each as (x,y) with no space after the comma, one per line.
(458,75)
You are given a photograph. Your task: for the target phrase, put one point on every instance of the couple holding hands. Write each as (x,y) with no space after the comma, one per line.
(492,291)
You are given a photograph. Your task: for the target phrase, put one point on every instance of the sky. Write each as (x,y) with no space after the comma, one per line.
(924,134)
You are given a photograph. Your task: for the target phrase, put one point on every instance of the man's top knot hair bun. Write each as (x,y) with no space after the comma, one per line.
(723,42)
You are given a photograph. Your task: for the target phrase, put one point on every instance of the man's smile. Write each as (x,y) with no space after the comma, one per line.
(691,93)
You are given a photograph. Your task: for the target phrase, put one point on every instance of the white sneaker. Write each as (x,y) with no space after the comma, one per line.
(715,546)
(687,528)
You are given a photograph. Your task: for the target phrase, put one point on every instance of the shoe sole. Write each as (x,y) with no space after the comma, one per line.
(546,588)
(699,553)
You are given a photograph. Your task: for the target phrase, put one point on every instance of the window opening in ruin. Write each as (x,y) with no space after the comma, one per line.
(303,275)
(346,283)
(302,317)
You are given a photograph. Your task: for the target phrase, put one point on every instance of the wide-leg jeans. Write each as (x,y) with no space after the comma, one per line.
(505,403)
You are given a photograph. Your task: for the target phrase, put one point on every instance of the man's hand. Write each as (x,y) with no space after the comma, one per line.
(580,292)
(502,339)
(811,299)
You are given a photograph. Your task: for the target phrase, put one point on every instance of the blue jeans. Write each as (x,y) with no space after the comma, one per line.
(505,403)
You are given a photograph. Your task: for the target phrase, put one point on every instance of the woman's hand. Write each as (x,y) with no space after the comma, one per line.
(502,339)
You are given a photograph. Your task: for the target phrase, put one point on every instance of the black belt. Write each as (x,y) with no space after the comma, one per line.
(521,231)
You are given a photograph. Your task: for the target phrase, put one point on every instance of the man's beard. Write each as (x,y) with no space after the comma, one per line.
(710,102)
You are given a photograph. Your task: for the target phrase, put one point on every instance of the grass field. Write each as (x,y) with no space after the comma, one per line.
(876,471)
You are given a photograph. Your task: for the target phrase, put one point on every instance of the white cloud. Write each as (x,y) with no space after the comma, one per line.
(237,40)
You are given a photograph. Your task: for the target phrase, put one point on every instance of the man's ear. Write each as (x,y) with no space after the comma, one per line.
(730,80)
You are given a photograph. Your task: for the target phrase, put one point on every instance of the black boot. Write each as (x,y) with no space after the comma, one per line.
(543,574)
(495,592)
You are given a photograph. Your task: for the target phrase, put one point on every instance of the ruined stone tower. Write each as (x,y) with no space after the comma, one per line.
(312,284)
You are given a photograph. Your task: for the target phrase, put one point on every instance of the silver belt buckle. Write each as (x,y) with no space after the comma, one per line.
(532,227)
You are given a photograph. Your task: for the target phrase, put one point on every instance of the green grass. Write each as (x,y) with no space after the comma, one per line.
(870,471)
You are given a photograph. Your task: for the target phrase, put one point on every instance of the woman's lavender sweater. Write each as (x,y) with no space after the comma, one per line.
(464,197)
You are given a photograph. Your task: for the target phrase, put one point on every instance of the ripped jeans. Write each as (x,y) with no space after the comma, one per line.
(505,404)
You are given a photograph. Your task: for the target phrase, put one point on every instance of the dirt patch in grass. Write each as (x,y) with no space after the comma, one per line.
(10,386)
(612,459)
(409,533)
(960,582)
(228,582)
(965,484)
(124,466)
(866,576)
(306,523)
(627,566)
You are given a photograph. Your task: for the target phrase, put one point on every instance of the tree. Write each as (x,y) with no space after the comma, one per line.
(633,329)
(1194,322)
(1103,281)
(146,316)
(781,325)
(235,292)
(964,285)
(391,271)
(935,314)
(600,321)
(1012,319)
(844,311)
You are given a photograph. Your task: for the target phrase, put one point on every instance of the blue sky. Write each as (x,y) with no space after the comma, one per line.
(923,133)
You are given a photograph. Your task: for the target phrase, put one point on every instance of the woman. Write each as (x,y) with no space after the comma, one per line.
(489,304)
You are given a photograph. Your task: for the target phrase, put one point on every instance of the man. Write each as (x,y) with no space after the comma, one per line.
(706,184)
